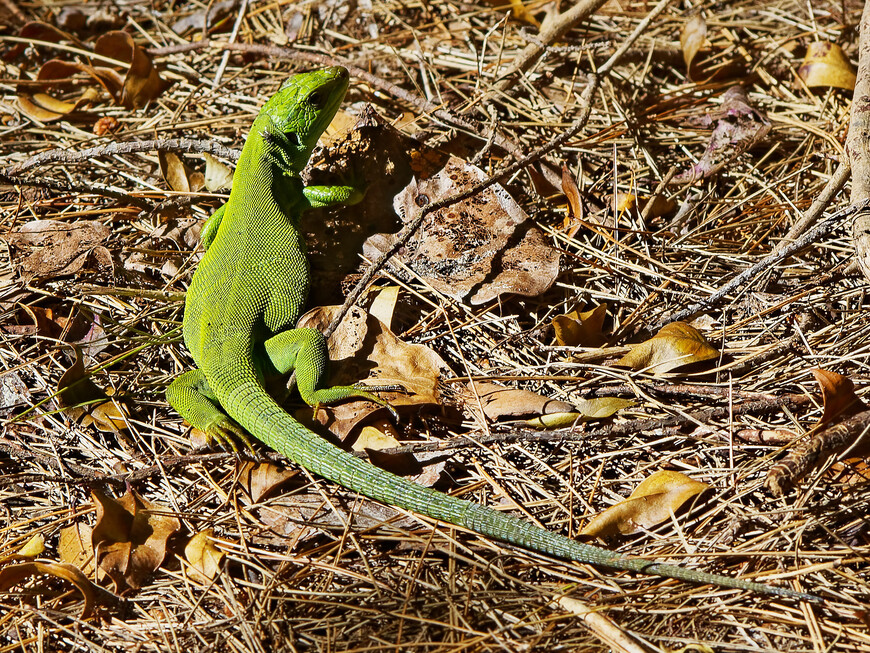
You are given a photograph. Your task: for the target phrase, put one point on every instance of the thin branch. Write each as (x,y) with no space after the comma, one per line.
(745,278)
(187,145)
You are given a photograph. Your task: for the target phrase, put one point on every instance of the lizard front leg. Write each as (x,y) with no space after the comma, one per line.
(322,196)
(305,351)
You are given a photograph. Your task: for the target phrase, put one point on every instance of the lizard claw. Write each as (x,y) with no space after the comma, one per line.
(226,433)
(368,390)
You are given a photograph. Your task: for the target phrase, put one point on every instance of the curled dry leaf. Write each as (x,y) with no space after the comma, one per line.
(93,595)
(141,81)
(364,349)
(79,83)
(177,175)
(838,395)
(54,248)
(826,65)
(203,557)
(655,500)
(674,346)
(483,247)
(130,536)
(38,31)
(738,127)
(586,410)
(843,426)
(692,38)
(85,402)
(498,401)
(574,215)
(581,329)
(218,175)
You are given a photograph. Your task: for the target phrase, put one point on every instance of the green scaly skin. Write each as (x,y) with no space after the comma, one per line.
(243,303)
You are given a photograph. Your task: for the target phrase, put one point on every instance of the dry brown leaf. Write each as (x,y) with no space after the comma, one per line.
(826,65)
(484,247)
(498,401)
(674,346)
(39,31)
(581,329)
(76,547)
(692,38)
(55,248)
(130,536)
(206,18)
(93,595)
(85,402)
(203,556)
(838,395)
(178,175)
(78,82)
(259,480)
(141,82)
(655,500)
(364,349)
(842,427)
(574,215)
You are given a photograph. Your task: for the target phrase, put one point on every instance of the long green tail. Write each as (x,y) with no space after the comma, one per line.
(257,412)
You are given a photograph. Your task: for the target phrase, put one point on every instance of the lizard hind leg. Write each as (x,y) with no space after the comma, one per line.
(194,400)
(305,351)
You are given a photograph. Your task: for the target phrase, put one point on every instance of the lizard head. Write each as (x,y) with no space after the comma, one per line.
(295,117)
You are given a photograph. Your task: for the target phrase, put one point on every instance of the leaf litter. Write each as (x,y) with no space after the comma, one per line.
(309,564)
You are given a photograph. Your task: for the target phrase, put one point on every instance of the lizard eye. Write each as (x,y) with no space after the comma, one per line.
(293,137)
(315,99)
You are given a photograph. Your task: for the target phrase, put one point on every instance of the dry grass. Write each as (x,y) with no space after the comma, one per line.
(409,585)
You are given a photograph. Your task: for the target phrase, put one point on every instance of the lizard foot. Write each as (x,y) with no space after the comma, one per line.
(367,392)
(226,433)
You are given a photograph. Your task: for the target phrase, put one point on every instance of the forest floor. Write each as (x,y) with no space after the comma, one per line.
(658,152)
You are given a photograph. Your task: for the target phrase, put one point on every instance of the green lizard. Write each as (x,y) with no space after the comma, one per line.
(240,312)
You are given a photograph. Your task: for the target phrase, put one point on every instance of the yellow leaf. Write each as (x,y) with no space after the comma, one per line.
(577,329)
(692,38)
(203,556)
(76,547)
(587,411)
(34,546)
(655,500)
(384,305)
(825,64)
(674,346)
(217,175)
